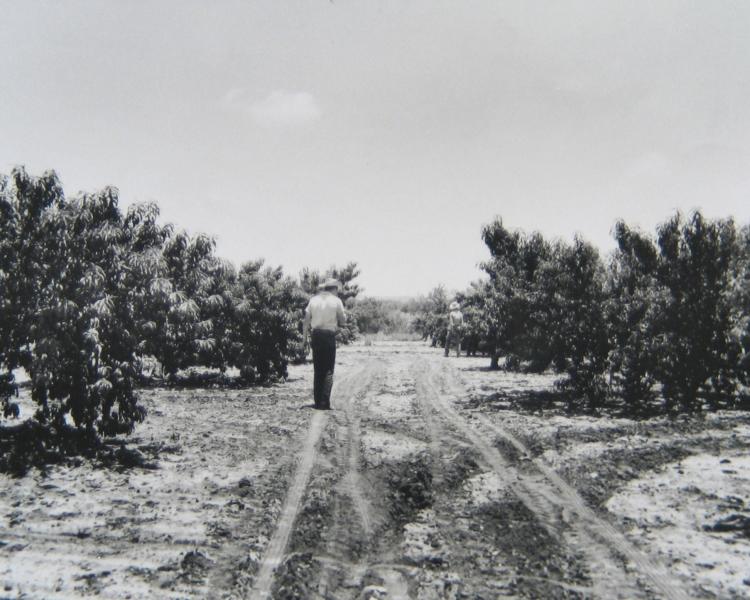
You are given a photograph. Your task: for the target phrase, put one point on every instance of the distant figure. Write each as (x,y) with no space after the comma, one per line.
(324,315)
(455,327)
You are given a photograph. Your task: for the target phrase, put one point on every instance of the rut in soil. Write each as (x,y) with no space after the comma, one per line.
(355,524)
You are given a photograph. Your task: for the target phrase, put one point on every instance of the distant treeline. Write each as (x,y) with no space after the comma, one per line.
(661,325)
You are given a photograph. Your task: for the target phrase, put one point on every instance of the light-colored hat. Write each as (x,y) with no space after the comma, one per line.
(454,306)
(331,283)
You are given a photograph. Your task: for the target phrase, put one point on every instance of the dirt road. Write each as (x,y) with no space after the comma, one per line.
(421,483)
(395,517)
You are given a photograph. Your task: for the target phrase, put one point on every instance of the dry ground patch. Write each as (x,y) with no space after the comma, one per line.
(427,480)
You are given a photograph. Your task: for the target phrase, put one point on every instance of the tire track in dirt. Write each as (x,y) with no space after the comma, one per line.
(528,488)
(278,543)
(558,506)
(357,554)
(353,479)
(390,575)
(447,432)
(339,545)
(276,549)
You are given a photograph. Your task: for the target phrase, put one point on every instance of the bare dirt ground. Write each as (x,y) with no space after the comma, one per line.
(432,478)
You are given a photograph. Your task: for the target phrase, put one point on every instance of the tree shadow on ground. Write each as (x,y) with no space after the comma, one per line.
(194,381)
(484,369)
(526,368)
(559,402)
(30,445)
(198,380)
(535,401)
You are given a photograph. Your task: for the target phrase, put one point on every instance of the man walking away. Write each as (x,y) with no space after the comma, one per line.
(324,315)
(455,328)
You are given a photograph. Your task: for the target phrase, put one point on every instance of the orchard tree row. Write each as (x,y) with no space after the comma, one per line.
(87,292)
(662,325)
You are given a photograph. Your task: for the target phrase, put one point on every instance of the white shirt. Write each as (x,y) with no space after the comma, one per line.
(455,318)
(325,311)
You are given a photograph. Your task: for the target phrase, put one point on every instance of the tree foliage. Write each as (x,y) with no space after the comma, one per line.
(431,321)
(476,328)
(376,315)
(71,312)
(697,354)
(27,246)
(516,309)
(632,312)
(88,292)
(267,311)
(574,296)
(665,315)
(739,297)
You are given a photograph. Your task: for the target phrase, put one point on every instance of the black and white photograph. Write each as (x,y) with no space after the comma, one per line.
(374,300)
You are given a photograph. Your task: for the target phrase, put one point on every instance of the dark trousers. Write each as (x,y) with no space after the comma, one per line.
(453,338)
(323,345)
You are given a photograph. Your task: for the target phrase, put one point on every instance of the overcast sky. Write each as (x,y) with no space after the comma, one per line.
(386,132)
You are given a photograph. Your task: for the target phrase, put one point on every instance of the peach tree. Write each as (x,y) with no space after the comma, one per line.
(86,338)
(184,304)
(632,308)
(698,352)
(26,277)
(73,273)
(264,334)
(516,311)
